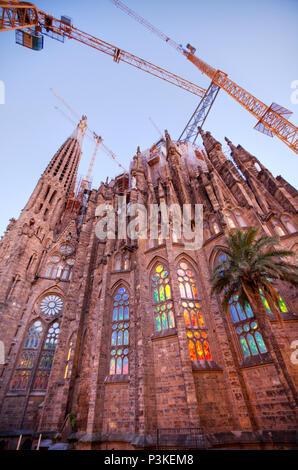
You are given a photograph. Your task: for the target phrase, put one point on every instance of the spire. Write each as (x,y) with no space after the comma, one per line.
(58,180)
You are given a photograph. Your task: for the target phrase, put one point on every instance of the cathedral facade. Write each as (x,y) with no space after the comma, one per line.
(117,343)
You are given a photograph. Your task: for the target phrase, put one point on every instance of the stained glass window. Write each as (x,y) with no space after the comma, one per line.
(120,333)
(36,352)
(51,305)
(199,349)
(162,295)
(46,357)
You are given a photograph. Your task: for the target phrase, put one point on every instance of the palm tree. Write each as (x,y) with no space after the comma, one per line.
(251,267)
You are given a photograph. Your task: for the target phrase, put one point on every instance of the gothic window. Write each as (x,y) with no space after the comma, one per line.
(194,321)
(46,357)
(214,225)
(239,218)
(28,355)
(230,219)
(59,269)
(120,333)
(282,305)
(65,249)
(249,337)
(277,227)
(162,295)
(68,358)
(288,224)
(51,305)
(36,358)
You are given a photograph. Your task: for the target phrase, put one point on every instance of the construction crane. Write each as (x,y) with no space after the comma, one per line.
(271,120)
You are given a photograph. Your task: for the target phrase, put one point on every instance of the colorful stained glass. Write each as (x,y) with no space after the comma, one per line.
(260,342)
(33,336)
(207,351)
(119,365)
(126,338)
(162,293)
(121,290)
(119,337)
(121,312)
(192,350)
(194,291)
(182,290)
(183,265)
(234,313)
(244,346)
(157,323)
(186,318)
(252,344)
(126,313)
(282,305)
(125,365)
(171,319)
(241,313)
(254,325)
(114,338)
(168,291)
(199,351)
(194,321)
(265,302)
(164,321)
(248,311)
(125,296)
(115,314)
(246,327)
(188,291)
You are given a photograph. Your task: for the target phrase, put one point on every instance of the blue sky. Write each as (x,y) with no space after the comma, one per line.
(254,41)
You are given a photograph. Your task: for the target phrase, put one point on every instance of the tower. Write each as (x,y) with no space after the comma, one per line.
(24,248)
(127,348)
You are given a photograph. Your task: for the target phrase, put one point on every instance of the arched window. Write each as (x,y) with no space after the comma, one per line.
(59,269)
(162,295)
(277,227)
(250,339)
(239,218)
(214,225)
(46,357)
(230,219)
(37,354)
(288,224)
(120,333)
(194,321)
(246,328)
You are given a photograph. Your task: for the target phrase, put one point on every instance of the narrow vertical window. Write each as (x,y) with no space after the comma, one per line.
(162,295)
(68,359)
(120,333)
(194,321)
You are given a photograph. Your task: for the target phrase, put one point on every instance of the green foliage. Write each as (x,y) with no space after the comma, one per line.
(252,264)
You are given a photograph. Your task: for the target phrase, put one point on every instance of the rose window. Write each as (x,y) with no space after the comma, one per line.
(51,305)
